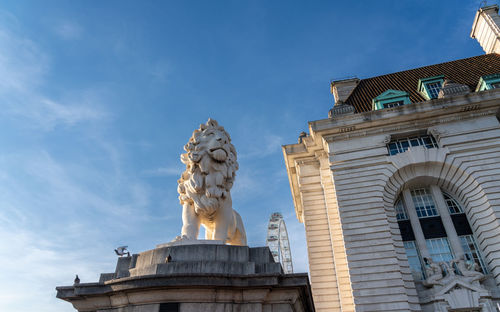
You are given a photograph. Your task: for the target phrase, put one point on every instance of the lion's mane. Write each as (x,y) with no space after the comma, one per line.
(211,166)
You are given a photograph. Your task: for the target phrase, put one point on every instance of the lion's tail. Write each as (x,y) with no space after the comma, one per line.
(240,234)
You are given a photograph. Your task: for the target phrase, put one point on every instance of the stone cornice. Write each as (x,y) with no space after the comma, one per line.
(346,126)
(409,125)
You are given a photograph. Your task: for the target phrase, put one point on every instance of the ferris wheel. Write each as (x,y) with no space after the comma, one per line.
(277,240)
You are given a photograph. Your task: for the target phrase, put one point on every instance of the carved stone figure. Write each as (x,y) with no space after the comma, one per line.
(447,268)
(204,187)
(469,270)
(433,272)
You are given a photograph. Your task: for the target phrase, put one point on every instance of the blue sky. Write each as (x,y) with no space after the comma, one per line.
(98,98)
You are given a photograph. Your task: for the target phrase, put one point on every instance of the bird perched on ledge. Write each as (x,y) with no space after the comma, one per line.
(122,251)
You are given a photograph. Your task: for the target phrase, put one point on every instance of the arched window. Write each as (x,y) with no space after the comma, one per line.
(433,224)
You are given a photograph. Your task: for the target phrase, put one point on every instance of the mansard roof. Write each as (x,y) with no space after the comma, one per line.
(466,71)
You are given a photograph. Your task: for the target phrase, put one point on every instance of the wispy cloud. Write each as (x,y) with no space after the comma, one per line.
(69,114)
(54,224)
(46,114)
(160,71)
(164,171)
(58,213)
(42,181)
(23,70)
(247,184)
(68,30)
(267,145)
(22,63)
(34,265)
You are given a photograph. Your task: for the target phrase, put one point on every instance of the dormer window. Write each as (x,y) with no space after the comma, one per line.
(488,82)
(393,104)
(390,98)
(433,89)
(430,87)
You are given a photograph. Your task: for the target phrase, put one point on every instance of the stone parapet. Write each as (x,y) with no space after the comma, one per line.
(206,277)
(341,109)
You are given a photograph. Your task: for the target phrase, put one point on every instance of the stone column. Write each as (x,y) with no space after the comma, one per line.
(415,224)
(449,227)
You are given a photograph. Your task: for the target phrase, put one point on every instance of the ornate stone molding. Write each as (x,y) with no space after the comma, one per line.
(320,154)
(306,161)
(458,101)
(342,109)
(451,88)
(455,285)
(437,133)
(387,139)
(404,127)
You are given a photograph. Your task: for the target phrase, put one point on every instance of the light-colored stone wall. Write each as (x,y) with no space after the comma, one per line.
(320,251)
(486,30)
(348,185)
(341,89)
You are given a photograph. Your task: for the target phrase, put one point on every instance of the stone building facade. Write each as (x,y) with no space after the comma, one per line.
(399,189)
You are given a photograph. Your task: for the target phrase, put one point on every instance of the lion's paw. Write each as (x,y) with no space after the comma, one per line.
(180,238)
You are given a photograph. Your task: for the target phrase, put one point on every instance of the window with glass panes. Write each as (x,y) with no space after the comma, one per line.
(470,248)
(453,206)
(433,89)
(489,82)
(400,210)
(439,249)
(393,104)
(424,203)
(495,85)
(401,145)
(431,226)
(413,259)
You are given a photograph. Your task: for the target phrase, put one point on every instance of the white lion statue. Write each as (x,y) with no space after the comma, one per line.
(204,187)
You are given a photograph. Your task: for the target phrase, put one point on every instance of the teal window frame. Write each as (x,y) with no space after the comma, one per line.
(423,85)
(486,82)
(390,96)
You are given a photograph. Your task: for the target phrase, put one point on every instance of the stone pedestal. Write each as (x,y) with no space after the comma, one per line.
(196,277)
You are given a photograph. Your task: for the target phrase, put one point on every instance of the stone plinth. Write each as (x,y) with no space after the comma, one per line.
(203,277)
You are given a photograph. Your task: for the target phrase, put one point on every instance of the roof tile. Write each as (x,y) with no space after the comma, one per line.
(465,71)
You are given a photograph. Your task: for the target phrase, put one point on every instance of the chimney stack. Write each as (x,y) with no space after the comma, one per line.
(486,30)
(341,89)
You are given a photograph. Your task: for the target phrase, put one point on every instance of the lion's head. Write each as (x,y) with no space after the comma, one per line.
(210,169)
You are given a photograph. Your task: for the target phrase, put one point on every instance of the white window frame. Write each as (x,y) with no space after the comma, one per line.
(401,145)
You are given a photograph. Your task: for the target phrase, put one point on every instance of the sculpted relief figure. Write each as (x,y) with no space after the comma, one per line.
(443,272)
(205,187)
(433,272)
(469,270)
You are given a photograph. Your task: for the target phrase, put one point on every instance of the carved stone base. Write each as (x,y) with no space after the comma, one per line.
(190,242)
(456,294)
(194,277)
